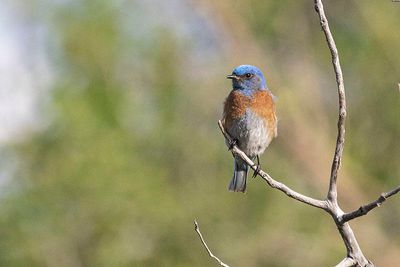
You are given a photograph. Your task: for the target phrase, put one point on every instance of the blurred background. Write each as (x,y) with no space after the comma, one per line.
(109,145)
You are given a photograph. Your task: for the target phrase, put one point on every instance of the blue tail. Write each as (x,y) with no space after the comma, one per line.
(238,182)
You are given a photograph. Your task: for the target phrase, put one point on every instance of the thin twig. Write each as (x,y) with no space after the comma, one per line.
(271,182)
(197,229)
(337,158)
(363,210)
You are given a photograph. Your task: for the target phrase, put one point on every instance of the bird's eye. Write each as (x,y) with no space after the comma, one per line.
(249,75)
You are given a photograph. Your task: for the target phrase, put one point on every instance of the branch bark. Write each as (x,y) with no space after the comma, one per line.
(363,210)
(337,158)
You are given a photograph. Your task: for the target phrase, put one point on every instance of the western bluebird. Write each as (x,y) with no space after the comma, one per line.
(249,117)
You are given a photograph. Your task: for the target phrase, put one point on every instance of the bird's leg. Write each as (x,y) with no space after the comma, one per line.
(232,143)
(258,167)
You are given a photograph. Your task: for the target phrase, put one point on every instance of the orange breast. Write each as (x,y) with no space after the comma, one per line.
(261,103)
(235,107)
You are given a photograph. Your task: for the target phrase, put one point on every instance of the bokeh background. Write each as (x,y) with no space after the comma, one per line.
(109,139)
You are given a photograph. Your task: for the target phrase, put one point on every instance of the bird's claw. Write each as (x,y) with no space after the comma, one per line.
(232,143)
(258,167)
(256,171)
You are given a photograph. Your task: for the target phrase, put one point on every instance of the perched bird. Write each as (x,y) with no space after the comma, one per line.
(250,119)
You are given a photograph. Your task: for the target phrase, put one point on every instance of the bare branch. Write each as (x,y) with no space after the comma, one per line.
(332,192)
(197,229)
(271,182)
(363,210)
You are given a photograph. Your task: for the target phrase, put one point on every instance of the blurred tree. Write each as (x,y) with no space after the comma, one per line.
(133,154)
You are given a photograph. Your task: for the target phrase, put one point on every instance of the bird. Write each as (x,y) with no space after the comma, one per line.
(249,117)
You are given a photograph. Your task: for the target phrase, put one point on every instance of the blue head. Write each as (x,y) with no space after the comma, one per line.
(247,78)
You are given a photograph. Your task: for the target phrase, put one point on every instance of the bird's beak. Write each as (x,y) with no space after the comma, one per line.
(232,77)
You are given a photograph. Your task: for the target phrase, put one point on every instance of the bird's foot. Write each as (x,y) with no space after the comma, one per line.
(256,171)
(232,143)
(258,168)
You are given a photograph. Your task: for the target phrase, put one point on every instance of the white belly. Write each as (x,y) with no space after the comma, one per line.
(252,134)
